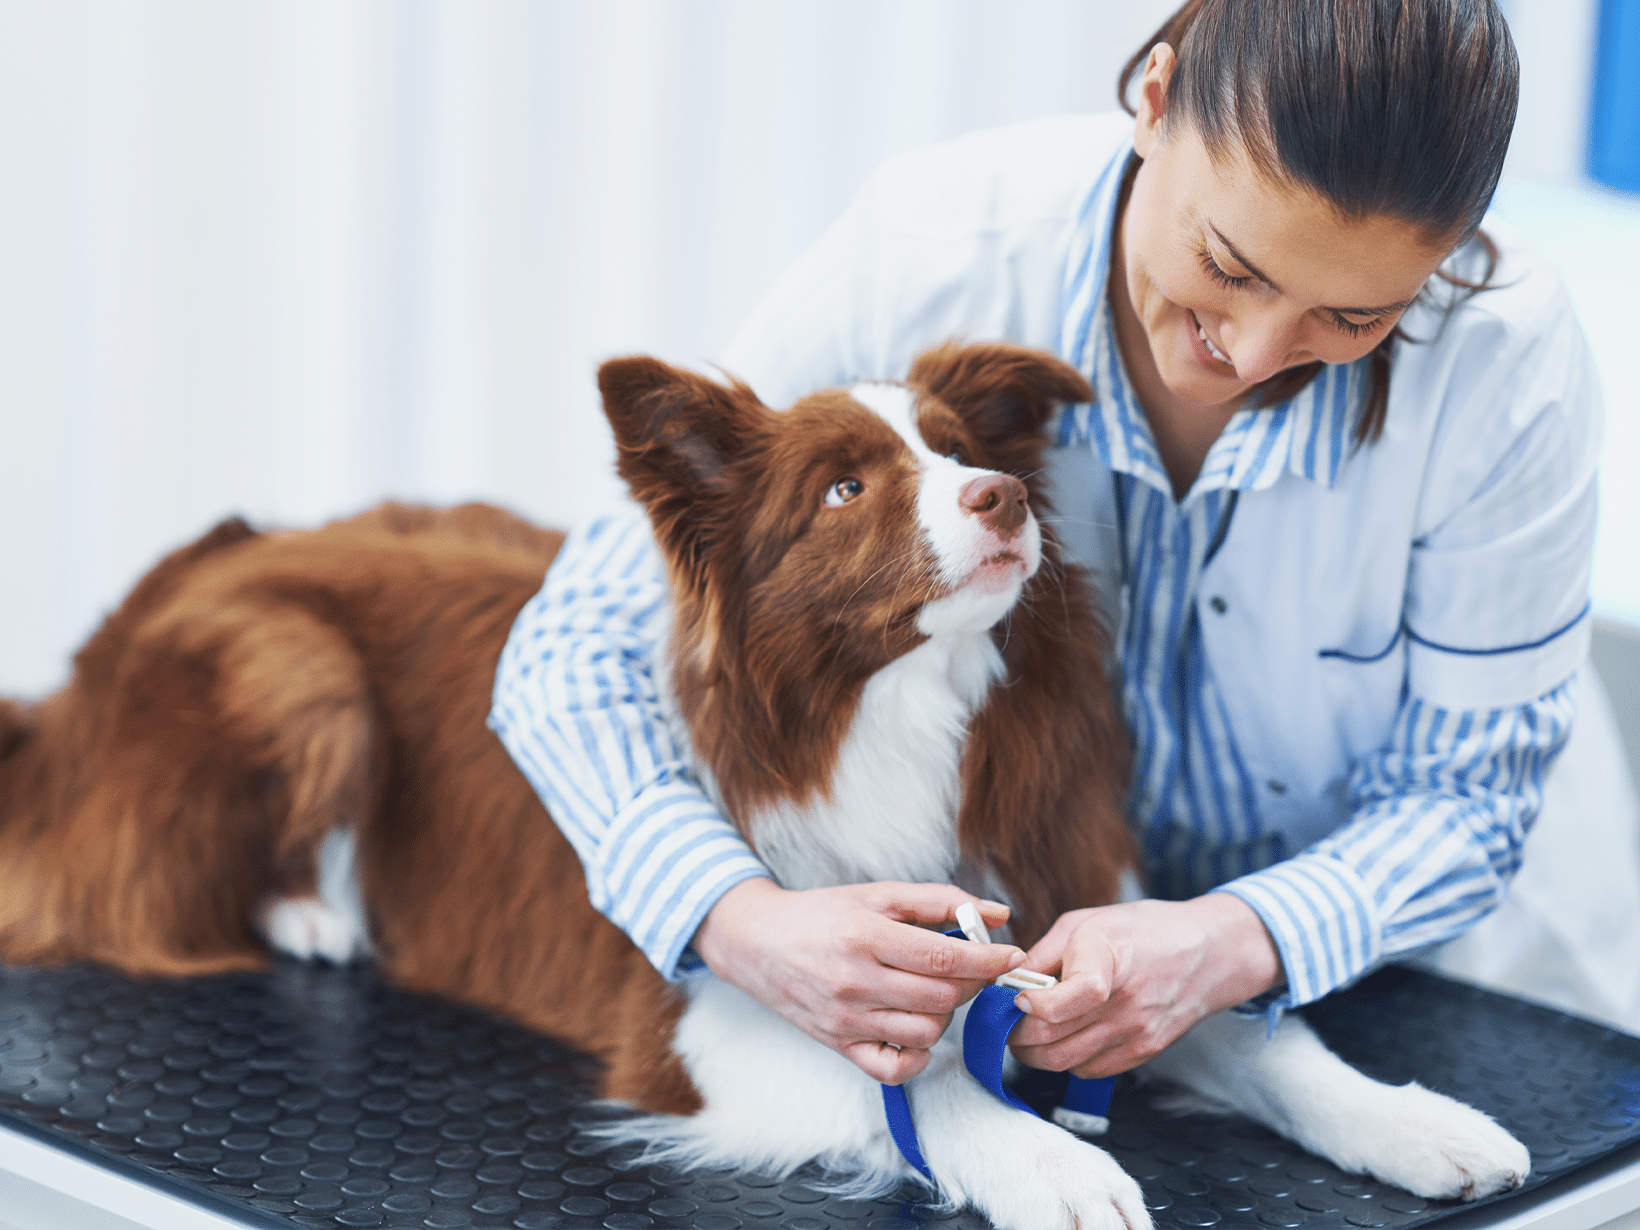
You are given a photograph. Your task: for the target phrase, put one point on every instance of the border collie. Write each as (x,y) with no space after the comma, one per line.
(885,672)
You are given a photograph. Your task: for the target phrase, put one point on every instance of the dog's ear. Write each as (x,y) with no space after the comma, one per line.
(679,439)
(1003,393)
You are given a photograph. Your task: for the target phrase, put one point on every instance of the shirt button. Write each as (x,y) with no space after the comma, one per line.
(1219,604)
(1276,787)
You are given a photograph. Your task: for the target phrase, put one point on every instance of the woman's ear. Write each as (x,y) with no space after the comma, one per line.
(1152,104)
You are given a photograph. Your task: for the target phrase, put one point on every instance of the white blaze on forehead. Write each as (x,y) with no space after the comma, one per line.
(896,405)
(960,542)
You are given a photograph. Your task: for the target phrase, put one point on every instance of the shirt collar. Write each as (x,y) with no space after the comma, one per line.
(1306,435)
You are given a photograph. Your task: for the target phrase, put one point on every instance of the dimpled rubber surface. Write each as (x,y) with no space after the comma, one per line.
(317,1097)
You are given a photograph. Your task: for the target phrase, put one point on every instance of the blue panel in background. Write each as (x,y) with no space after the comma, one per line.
(1614,127)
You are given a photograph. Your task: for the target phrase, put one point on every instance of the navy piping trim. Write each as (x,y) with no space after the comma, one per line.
(1469,653)
(1486,653)
(1370,657)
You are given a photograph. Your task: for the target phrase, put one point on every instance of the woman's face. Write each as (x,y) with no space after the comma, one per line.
(1233,279)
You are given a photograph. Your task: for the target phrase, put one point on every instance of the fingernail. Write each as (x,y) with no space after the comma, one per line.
(1023,1004)
(995,905)
(1015,961)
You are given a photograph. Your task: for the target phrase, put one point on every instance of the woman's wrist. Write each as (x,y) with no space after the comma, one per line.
(715,938)
(1240,948)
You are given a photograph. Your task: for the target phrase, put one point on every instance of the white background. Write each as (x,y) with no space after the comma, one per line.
(287,257)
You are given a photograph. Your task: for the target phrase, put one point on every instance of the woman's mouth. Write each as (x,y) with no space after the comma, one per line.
(1207,342)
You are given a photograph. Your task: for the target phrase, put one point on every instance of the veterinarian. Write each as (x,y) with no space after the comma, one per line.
(1337,490)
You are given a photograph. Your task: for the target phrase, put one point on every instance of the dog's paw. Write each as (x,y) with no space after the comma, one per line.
(307,928)
(1056,1182)
(1439,1148)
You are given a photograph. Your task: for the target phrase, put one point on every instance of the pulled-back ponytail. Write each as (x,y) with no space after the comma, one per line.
(1398,108)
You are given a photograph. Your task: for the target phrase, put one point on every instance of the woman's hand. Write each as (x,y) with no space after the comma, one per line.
(844,966)
(1136,976)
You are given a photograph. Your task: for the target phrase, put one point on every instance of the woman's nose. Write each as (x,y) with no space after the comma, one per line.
(1261,344)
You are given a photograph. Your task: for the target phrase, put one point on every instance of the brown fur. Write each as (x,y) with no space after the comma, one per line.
(257,690)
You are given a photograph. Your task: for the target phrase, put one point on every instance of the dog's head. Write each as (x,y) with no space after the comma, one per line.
(876,515)
(810,547)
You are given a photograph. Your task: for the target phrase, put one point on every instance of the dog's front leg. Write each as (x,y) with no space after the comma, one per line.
(1407,1135)
(1020,1171)
(774,1098)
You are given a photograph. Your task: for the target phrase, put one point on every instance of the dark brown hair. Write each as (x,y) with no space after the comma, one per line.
(1383,107)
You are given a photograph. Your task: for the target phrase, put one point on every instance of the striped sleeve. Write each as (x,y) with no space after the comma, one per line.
(1439,819)
(576,706)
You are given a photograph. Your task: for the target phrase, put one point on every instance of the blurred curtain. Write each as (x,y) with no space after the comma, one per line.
(286,257)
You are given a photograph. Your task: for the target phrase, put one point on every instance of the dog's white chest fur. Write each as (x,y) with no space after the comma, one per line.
(891,811)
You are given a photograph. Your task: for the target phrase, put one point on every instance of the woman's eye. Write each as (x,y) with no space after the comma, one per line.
(844,490)
(1213,270)
(1354,328)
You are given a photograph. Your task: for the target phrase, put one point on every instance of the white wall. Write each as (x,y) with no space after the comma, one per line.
(1555,40)
(285,257)
(1593,235)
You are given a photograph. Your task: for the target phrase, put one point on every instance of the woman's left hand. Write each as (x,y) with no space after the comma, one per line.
(1136,976)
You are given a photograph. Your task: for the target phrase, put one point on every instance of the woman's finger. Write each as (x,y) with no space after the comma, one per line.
(898,990)
(1089,1050)
(918,951)
(914,1031)
(1078,995)
(885,1063)
(1048,953)
(932,903)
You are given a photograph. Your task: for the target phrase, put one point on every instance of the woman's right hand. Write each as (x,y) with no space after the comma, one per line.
(848,967)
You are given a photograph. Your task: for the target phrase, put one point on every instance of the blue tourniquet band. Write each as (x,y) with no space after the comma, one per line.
(900,1127)
(991,1018)
(1090,1097)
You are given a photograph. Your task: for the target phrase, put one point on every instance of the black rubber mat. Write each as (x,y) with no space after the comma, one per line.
(318,1097)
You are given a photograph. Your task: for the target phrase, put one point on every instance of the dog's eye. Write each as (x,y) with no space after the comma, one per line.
(844,490)
(956,455)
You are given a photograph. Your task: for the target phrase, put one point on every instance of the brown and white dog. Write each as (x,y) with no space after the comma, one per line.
(884,670)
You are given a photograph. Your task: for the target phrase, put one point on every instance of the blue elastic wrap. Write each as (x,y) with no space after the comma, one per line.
(1090,1097)
(991,1018)
(898,1111)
